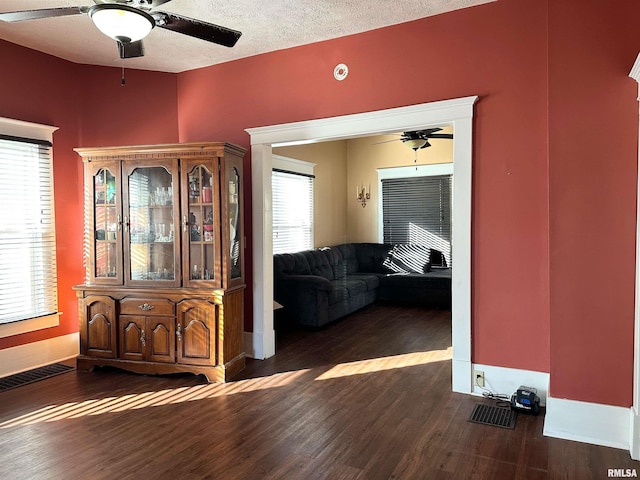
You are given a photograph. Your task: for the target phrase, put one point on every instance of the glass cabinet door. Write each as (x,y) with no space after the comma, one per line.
(105,265)
(235,225)
(201,223)
(151,253)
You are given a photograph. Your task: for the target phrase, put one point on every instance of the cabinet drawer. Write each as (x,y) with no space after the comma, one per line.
(146,306)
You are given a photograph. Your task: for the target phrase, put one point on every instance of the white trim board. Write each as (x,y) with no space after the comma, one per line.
(585,422)
(457,112)
(37,354)
(503,380)
(293,165)
(18,128)
(634,433)
(593,423)
(29,325)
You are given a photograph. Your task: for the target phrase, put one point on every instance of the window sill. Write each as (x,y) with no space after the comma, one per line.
(31,325)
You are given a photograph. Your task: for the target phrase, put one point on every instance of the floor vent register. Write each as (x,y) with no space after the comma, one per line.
(502,417)
(30,376)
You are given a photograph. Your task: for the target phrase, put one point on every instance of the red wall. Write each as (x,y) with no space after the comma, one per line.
(554,173)
(501,56)
(593,152)
(144,111)
(90,108)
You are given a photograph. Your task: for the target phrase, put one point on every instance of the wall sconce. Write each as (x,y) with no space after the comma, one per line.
(362,195)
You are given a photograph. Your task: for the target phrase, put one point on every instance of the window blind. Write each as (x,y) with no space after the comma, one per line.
(417,210)
(292,197)
(28,279)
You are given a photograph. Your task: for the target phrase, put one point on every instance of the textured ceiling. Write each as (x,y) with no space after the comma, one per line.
(265,25)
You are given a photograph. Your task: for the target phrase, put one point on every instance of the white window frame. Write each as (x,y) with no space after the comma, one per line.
(303,168)
(18,128)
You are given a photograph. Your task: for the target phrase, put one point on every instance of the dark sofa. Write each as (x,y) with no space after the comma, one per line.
(318,286)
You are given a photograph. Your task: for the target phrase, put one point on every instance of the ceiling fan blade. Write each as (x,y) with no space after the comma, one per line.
(131,49)
(196,28)
(42,13)
(141,4)
(441,135)
(156,3)
(428,131)
(386,141)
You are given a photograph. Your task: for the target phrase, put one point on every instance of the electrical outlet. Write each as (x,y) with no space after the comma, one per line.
(478,378)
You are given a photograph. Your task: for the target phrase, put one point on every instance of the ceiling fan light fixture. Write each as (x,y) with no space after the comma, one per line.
(121,22)
(415,143)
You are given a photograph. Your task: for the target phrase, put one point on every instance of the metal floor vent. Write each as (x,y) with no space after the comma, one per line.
(502,417)
(34,375)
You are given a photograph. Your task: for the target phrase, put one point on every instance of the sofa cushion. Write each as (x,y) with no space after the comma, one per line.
(372,281)
(408,259)
(371,257)
(319,263)
(425,289)
(290,264)
(414,281)
(345,288)
(350,260)
(334,256)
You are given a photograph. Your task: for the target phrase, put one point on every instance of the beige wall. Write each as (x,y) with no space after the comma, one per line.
(344,165)
(365,155)
(329,188)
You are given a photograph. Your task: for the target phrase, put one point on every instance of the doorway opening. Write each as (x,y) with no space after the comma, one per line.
(457,112)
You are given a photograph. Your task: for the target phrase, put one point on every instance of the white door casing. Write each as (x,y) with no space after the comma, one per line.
(457,112)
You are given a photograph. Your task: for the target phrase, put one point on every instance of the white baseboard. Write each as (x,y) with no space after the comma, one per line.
(502,380)
(37,354)
(461,376)
(249,349)
(260,345)
(585,422)
(634,434)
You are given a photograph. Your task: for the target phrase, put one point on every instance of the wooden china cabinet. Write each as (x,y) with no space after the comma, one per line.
(164,287)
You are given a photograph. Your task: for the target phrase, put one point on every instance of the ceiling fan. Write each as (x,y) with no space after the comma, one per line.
(129,21)
(419,139)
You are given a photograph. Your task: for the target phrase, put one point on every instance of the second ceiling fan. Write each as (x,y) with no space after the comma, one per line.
(419,139)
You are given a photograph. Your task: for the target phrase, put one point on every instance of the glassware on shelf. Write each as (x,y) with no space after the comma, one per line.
(194,186)
(194,231)
(234,223)
(207,191)
(208,227)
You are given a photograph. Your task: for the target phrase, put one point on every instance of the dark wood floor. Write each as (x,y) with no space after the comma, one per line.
(366,398)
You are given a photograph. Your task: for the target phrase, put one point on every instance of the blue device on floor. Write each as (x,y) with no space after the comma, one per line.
(526,400)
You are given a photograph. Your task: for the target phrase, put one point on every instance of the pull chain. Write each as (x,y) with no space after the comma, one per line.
(122,82)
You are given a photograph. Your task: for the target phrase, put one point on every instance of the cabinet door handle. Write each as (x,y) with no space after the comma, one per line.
(185,223)
(119,222)
(146,307)
(179,332)
(143,339)
(126,223)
